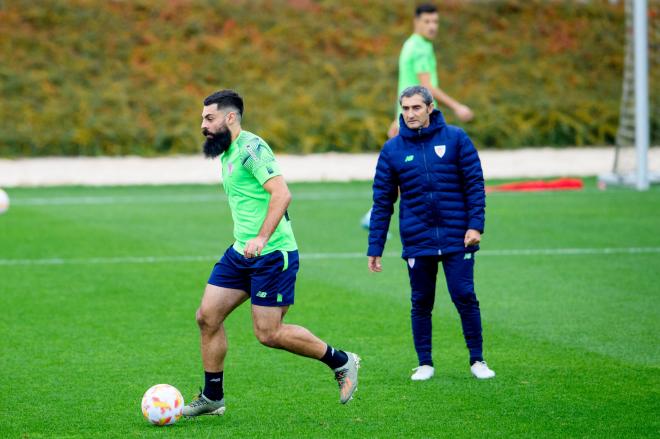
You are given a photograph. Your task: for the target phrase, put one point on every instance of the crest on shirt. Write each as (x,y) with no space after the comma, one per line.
(440,150)
(411,262)
(230,168)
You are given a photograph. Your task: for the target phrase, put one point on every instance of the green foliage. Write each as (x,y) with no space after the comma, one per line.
(87,77)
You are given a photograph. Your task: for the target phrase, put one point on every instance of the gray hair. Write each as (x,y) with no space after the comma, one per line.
(417,90)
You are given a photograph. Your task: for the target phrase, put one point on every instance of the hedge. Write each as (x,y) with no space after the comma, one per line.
(82,77)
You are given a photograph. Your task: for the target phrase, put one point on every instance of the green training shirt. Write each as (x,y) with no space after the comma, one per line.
(246,166)
(416,57)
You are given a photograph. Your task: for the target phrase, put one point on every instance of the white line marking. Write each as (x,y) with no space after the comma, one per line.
(323,256)
(117,260)
(220,196)
(173,198)
(570,251)
(111,199)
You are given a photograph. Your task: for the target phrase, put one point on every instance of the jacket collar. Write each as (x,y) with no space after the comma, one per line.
(437,123)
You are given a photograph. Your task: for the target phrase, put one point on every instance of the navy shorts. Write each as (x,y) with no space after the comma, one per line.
(269,279)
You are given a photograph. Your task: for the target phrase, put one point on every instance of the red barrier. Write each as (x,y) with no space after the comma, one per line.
(561,184)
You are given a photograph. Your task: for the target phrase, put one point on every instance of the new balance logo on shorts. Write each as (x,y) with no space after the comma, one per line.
(270,279)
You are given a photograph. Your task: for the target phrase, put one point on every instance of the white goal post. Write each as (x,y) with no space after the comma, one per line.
(633,169)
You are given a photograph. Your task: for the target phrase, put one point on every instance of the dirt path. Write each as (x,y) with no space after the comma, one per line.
(523,163)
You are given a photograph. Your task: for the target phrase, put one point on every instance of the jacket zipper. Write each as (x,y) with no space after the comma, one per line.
(428,179)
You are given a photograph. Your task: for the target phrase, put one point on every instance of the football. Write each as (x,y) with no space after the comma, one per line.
(4,201)
(162,404)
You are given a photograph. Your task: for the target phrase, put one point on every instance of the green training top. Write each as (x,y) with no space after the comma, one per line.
(416,57)
(246,166)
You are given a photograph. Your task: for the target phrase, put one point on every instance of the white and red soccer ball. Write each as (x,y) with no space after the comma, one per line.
(162,404)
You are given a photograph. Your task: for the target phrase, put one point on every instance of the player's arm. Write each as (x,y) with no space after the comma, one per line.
(280,197)
(385,194)
(474,192)
(463,112)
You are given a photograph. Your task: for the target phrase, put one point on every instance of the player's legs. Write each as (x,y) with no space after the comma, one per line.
(228,286)
(422,272)
(226,289)
(459,273)
(217,304)
(272,292)
(272,332)
(273,283)
(272,286)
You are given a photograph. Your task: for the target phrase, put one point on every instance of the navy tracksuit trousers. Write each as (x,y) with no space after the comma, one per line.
(459,274)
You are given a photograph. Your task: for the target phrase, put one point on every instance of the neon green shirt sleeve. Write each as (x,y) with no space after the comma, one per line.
(260,162)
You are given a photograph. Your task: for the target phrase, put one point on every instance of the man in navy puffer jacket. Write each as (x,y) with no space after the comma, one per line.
(436,169)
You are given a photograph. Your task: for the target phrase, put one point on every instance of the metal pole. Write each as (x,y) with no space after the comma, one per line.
(641,94)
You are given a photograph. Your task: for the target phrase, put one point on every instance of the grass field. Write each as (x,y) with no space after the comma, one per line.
(99,288)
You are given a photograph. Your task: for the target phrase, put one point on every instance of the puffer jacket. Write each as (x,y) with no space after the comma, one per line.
(438,173)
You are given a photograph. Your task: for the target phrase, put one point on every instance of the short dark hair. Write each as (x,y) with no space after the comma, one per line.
(226,98)
(417,90)
(426,8)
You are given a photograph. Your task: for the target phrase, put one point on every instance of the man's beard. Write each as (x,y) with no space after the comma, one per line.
(217,143)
